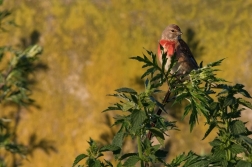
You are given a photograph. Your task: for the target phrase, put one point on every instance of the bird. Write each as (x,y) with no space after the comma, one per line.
(174,45)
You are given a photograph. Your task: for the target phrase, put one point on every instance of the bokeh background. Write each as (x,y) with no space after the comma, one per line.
(87,45)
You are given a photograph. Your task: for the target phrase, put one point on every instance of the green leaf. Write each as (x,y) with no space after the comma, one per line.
(128,155)
(218,154)
(131,161)
(187,109)
(215,142)
(236,149)
(119,164)
(118,139)
(242,163)
(79,158)
(134,98)
(109,148)
(33,51)
(160,105)
(244,93)
(244,103)
(216,63)
(246,139)
(138,58)
(149,71)
(201,108)
(237,127)
(160,140)
(229,100)
(211,127)
(180,158)
(181,96)
(94,163)
(126,90)
(115,107)
(193,117)
(157,132)
(128,105)
(137,118)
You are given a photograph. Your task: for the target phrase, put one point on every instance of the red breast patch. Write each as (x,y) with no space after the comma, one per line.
(167,45)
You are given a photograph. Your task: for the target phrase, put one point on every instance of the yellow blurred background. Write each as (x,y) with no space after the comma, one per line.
(87,45)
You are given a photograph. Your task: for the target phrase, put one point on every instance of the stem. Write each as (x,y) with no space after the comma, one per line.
(140,151)
(228,155)
(139,147)
(159,110)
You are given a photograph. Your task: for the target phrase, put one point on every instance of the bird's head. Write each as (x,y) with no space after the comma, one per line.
(172,33)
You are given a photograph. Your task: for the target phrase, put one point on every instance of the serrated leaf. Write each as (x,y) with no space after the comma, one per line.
(94,163)
(246,139)
(229,100)
(237,127)
(131,161)
(203,110)
(215,142)
(244,93)
(211,127)
(126,90)
(216,63)
(236,149)
(187,109)
(218,154)
(179,159)
(118,139)
(157,132)
(137,118)
(79,158)
(193,117)
(198,163)
(244,103)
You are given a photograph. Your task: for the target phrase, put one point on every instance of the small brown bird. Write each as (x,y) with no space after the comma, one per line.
(173,45)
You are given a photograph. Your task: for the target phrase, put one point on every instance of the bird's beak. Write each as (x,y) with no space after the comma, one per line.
(180,33)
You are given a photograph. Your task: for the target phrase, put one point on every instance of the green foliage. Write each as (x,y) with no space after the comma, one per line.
(79,36)
(14,91)
(139,116)
(94,152)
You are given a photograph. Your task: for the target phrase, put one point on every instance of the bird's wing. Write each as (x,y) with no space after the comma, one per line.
(187,53)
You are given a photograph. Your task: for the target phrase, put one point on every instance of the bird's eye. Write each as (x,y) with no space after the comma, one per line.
(172,31)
